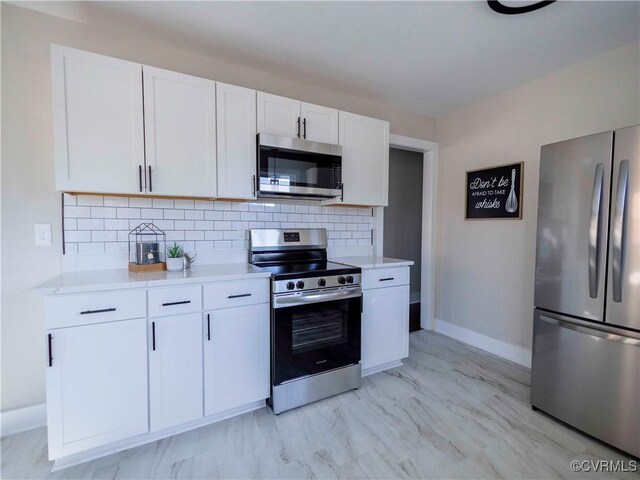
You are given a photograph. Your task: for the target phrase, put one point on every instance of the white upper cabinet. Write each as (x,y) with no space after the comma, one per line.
(278,115)
(98,126)
(365,159)
(319,124)
(180,134)
(96,385)
(236,127)
(175,370)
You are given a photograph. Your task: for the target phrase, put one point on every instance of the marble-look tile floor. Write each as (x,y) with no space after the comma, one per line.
(451,411)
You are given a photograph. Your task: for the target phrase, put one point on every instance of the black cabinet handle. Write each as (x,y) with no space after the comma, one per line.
(150,184)
(153,336)
(298,127)
(240,296)
(183,302)
(104,310)
(342,192)
(208,327)
(387,279)
(50,351)
(140,176)
(253,186)
(304,128)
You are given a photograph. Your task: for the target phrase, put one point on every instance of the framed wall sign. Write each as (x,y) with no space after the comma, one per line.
(494,192)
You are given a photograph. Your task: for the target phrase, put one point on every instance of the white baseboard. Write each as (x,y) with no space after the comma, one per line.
(515,353)
(23,419)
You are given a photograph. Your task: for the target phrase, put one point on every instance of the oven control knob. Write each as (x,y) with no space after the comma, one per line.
(349,279)
(291,286)
(341,280)
(322,282)
(300,284)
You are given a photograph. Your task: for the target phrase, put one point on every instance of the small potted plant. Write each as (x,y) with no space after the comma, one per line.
(175,254)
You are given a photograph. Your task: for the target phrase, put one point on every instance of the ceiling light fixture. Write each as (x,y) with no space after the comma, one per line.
(499,7)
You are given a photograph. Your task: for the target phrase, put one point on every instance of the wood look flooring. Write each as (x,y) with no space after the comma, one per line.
(451,411)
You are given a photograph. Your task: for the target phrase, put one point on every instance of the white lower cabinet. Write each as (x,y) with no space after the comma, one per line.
(385,325)
(236,357)
(96,385)
(175,370)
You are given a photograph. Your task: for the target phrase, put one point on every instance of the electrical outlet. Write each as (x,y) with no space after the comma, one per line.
(43,235)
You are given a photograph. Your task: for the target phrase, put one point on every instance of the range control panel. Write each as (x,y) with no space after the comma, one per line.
(315,283)
(291,236)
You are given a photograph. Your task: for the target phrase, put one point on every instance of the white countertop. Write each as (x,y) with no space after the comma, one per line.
(372,262)
(91,281)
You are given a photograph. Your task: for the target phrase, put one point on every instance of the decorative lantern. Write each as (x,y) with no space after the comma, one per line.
(147,244)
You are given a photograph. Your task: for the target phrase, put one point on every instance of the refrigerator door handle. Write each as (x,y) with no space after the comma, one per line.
(594,230)
(618,233)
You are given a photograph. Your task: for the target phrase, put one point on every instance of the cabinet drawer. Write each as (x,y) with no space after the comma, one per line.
(385,277)
(236,294)
(88,308)
(175,300)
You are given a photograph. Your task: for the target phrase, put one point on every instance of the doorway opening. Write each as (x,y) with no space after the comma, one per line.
(403,220)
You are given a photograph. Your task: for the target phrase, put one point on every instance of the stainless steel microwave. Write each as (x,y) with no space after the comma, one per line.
(298,168)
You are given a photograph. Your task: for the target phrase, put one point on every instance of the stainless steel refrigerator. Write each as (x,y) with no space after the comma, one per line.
(586,321)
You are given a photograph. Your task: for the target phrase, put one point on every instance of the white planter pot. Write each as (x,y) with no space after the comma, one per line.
(175,264)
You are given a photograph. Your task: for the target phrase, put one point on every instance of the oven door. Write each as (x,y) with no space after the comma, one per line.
(291,166)
(315,332)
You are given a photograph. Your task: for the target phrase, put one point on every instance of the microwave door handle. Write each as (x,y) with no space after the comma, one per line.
(618,232)
(594,230)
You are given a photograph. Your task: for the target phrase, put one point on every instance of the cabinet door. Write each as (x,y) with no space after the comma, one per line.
(385,325)
(236,357)
(319,124)
(97,120)
(180,134)
(96,385)
(365,160)
(236,124)
(278,115)
(175,370)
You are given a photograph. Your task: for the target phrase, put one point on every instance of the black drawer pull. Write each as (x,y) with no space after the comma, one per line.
(387,279)
(240,296)
(50,351)
(183,302)
(104,310)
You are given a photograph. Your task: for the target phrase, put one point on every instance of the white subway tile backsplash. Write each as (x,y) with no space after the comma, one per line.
(96,224)
(77,212)
(103,212)
(116,202)
(140,202)
(184,204)
(193,214)
(174,214)
(76,236)
(90,200)
(128,213)
(90,224)
(104,236)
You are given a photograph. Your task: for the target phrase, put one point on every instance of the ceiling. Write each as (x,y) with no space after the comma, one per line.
(428,57)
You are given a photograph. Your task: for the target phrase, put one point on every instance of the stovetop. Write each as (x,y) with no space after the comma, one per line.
(287,271)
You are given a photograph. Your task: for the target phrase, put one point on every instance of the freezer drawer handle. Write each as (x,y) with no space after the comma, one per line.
(619,234)
(597,331)
(104,310)
(594,230)
(169,304)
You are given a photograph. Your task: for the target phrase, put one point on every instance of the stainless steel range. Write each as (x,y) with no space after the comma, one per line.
(316,308)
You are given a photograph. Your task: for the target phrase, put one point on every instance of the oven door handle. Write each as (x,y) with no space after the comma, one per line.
(305,299)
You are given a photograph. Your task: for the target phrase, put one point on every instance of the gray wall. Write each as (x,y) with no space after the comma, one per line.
(403,216)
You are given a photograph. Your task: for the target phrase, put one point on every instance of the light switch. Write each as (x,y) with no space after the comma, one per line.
(43,235)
